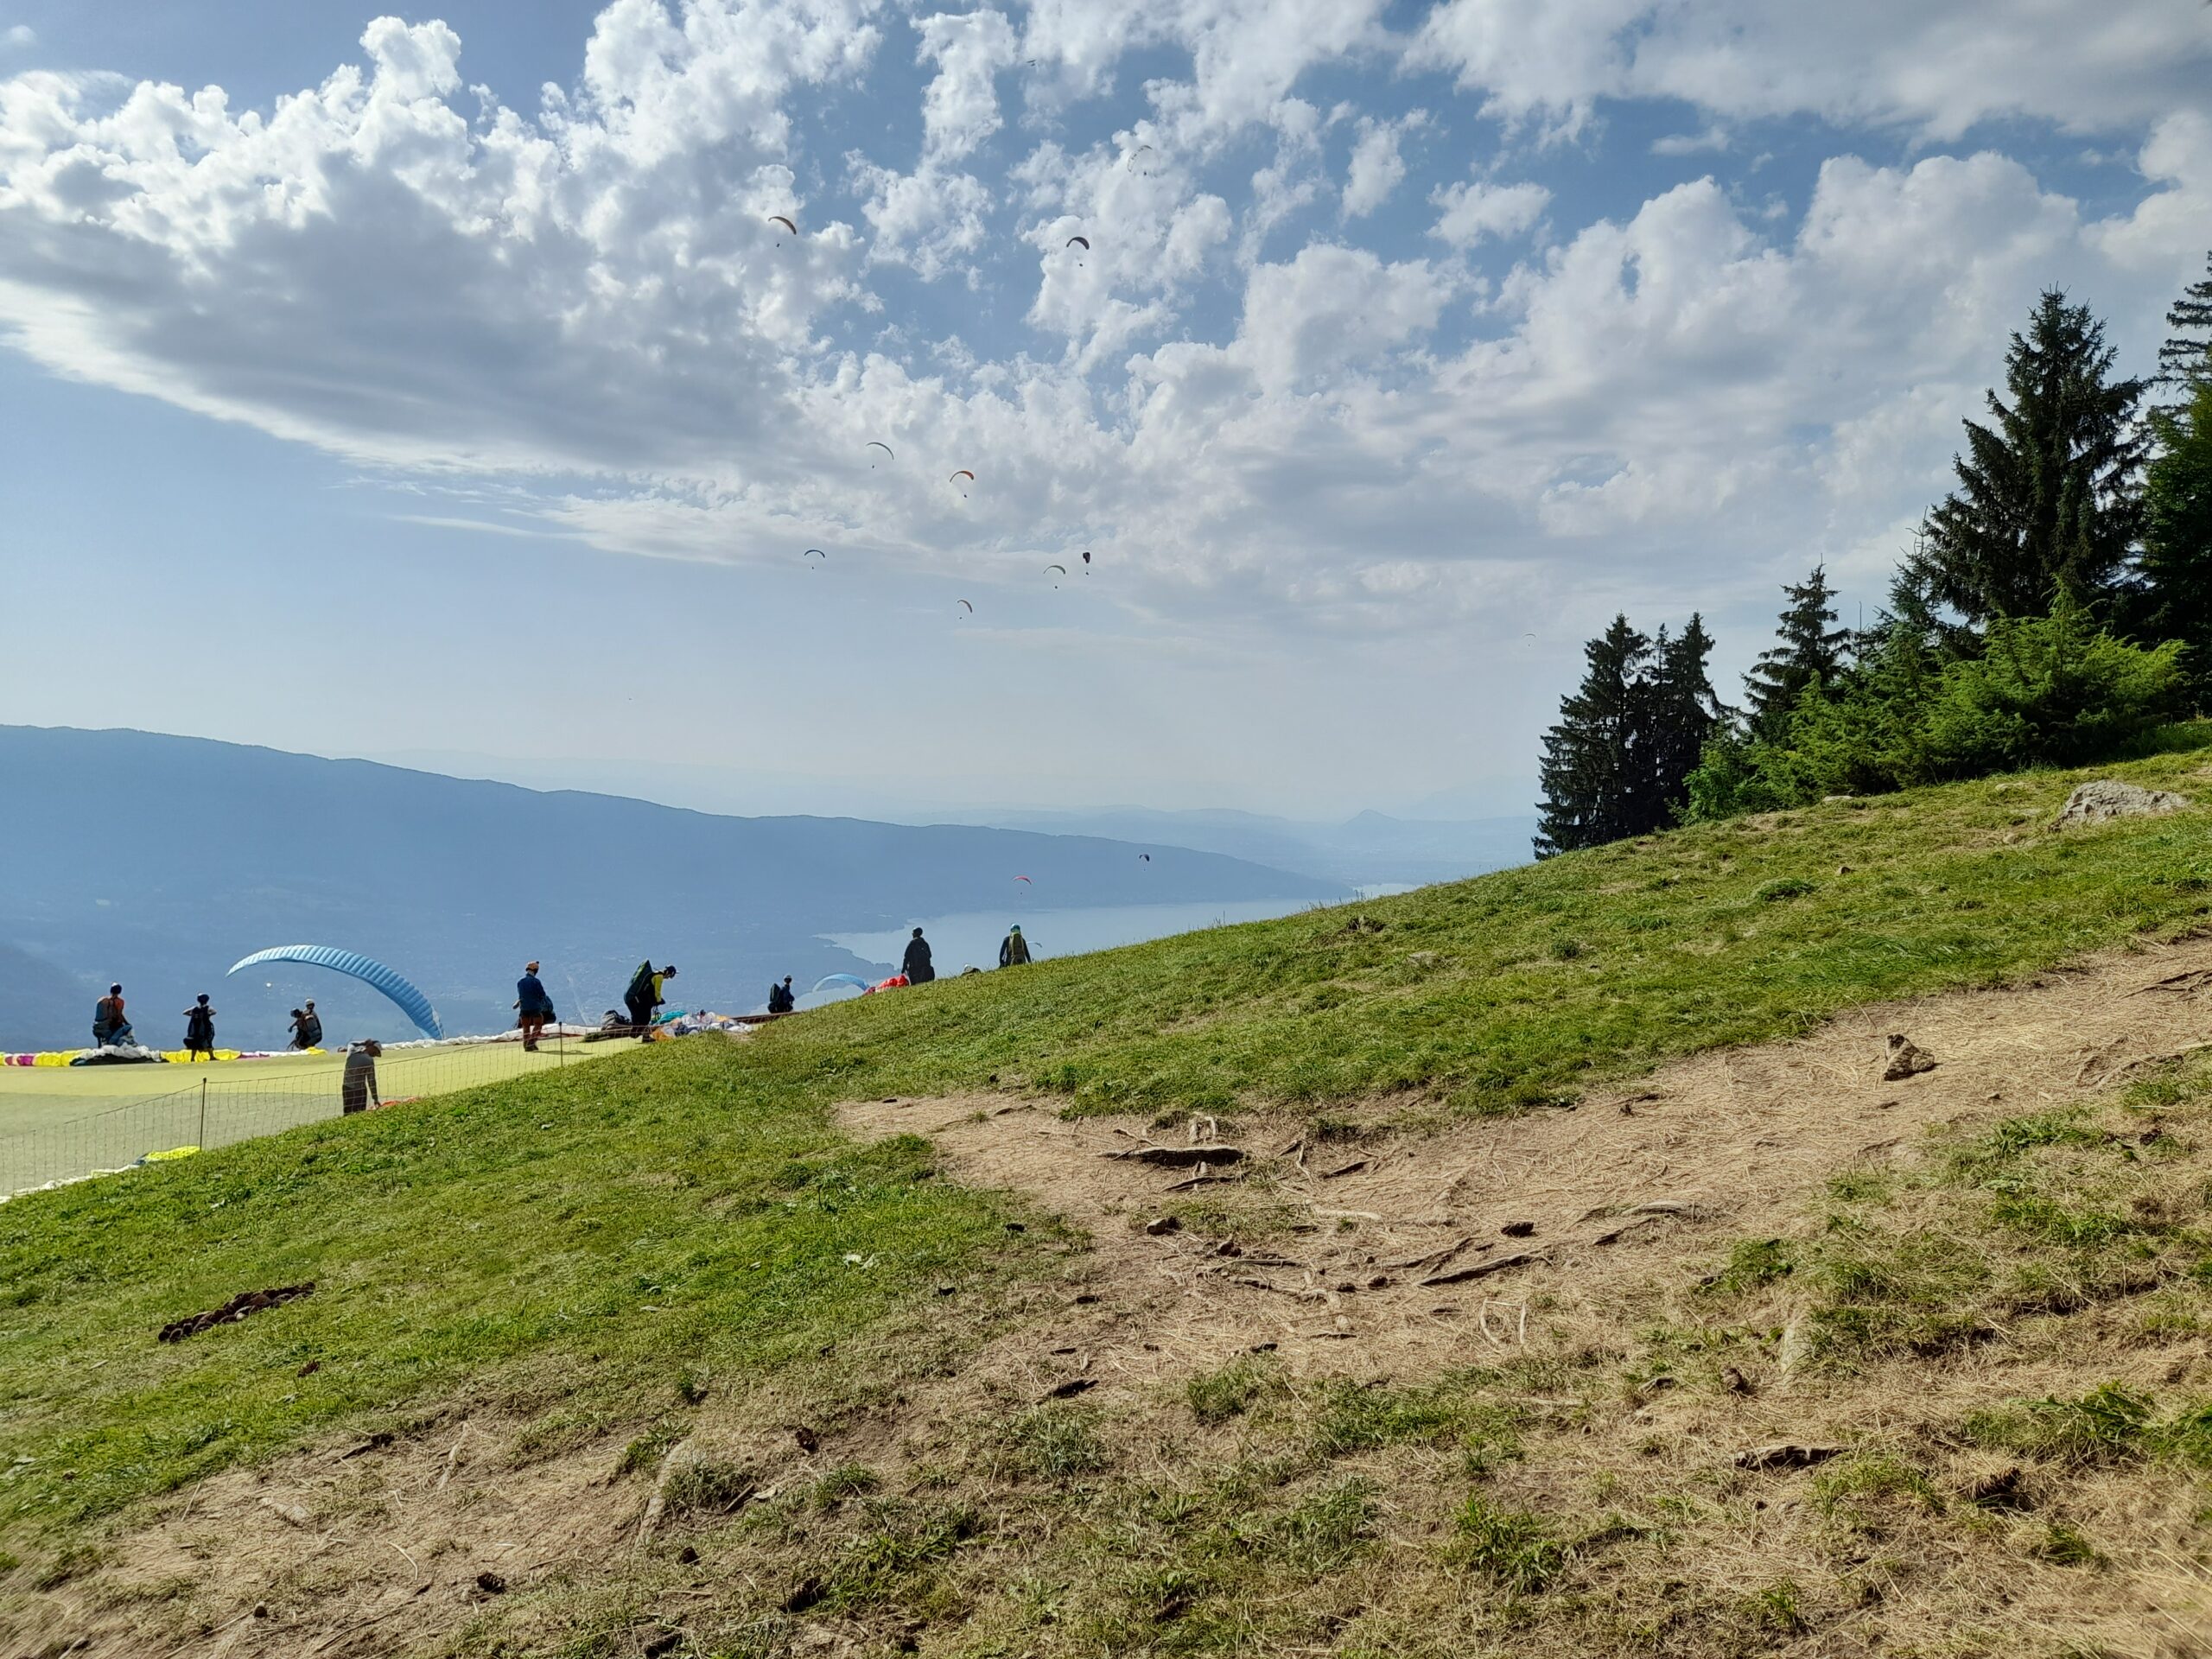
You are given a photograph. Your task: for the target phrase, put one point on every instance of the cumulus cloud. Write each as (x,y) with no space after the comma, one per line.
(19,34)
(1474,210)
(585,299)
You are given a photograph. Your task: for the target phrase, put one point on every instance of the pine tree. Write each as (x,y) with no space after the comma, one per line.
(1676,712)
(1588,769)
(2186,358)
(2176,568)
(1810,653)
(2047,503)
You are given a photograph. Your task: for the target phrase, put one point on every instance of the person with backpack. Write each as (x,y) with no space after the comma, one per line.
(110,1028)
(917,966)
(644,994)
(781,998)
(1014,948)
(533,1007)
(199,1030)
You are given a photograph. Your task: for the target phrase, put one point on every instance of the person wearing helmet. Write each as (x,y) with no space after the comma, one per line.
(1014,948)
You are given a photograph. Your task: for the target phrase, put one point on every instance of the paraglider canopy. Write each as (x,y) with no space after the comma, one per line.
(1086,556)
(1083,242)
(966,607)
(962,472)
(1024,877)
(1062,569)
(852,980)
(409,1001)
(814,553)
(878,444)
(777,219)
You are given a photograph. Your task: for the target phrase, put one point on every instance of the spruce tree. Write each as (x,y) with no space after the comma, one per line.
(2047,503)
(1587,771)
(1811,652)
(1676,712)
(2176,568)
(2185,359)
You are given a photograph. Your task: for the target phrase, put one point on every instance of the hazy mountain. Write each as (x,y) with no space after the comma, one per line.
(1370,847)
(43,1006)
(160,861)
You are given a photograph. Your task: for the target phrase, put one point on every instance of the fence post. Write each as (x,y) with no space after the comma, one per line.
(202,1141)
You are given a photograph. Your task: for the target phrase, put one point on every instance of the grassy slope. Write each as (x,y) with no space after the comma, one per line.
(554,1243)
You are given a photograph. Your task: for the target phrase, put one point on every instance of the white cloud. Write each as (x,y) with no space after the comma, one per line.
(1714,137)
(1940,69)
(19,34)
(1264,422)
(1472,212)
(1376,168)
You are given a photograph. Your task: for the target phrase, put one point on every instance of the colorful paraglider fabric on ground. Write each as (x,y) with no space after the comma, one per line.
(827,980)
(410,1002)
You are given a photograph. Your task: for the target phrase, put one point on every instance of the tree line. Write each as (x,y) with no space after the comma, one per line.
(2054,609)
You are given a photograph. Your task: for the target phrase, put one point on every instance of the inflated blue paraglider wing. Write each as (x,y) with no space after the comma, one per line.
(411,1002)
(852,980)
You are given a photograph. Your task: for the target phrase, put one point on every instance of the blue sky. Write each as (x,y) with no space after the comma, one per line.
(365,396)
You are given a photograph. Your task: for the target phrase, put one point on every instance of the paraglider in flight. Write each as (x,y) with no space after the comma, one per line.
(1086,561)
(966,607)
(1083,242)
(1144,858)
(410,1002)
(1024,877)
(956,476)
(878,444)
(814,553)
(777,219)
(1138,151)
(1062,569)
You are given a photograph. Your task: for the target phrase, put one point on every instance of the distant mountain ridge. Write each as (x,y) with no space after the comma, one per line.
(160,861)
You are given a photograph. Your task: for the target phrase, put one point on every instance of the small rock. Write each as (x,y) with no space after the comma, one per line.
(491,1584)
(1262,1348)
(1159,1224)
(946,1290)
(1734,1381)
(1906,1059)
(809,1442)
(261,1610)
(1786,1455)
(661,1642)
(2106,798)
(1072,1387)
(688,1556)
(309,1369)
(1519,1229)
(2000,1488)
(1016,1227)
(1843,870)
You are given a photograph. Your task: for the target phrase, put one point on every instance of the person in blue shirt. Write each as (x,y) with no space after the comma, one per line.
(532,1008)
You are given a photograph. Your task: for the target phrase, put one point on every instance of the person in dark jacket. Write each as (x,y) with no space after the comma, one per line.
(532,1008)
(644,994)
(781,998)
(357,1090)
(200,1029)
(110,1028)
(916,966)
(1013,948)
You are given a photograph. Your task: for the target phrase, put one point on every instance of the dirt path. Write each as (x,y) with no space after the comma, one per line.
(1717,1145)
(1384,1256)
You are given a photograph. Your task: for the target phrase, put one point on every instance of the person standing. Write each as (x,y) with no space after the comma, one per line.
(310,1027)
(357,1090)
(110,1028)
(199,1030)
(917,966)
(532,1008)
(1013,950)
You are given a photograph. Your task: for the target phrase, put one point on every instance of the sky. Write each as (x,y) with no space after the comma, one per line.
(442,384)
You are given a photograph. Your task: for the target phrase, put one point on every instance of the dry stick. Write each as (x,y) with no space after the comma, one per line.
(452,1458)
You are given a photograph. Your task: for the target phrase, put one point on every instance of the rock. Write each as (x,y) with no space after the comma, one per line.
(1072,1387)
(1906,1059)
(1519,1229)
(1999,1489)
(1734,1381)
(809,1442)
(1786,1455)
(2105,798)
(491,1584)
(1161,1224)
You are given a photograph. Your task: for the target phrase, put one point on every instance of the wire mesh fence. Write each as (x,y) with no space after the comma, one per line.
(241,1101)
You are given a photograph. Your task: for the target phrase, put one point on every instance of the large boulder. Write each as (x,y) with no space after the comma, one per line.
(2107,797)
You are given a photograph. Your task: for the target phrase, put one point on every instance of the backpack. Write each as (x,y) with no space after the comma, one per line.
(641,982)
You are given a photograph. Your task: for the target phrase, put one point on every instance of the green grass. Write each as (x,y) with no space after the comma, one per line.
(555,1243)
